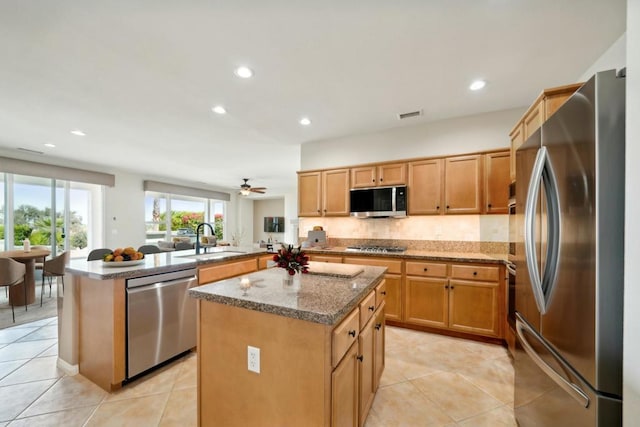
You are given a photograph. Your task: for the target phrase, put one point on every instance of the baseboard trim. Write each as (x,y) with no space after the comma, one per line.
(67,367)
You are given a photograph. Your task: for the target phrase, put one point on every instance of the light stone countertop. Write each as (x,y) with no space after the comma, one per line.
(163,262)
(314,298)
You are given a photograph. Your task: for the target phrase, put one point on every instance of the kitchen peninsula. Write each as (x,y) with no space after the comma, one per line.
(315,350)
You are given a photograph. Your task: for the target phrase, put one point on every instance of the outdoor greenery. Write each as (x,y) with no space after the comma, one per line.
(35,224)
(190,220)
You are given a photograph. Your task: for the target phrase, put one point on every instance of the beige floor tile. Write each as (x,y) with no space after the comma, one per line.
(20,396)
(141,411)
(51,351)
(159,381)
(393,372)
(42,333)
(455,395)
(499,417)
(68,418)
(410,363)
(67,393)
(8,367)
(485,350)
(41,368)
(10,335)
(403,405)
(181,409)
(493,376)
(24,350)
(188,373)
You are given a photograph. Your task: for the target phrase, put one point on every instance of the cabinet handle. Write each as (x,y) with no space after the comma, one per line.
(318,210)
(360,358)
(489,205)
(438,207)
(352,333)
(447,206)
(425,269)
(385,292)
(446,286)
(378,326)
(372,308)
(381,179)
(373,180)
(451,287)
(325,210)
(475,273)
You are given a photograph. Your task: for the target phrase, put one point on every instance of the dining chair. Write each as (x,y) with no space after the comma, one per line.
(149,249)
(12,273)
(97,254)
(54,267)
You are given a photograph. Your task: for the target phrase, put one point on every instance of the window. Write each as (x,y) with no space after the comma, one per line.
(168,216)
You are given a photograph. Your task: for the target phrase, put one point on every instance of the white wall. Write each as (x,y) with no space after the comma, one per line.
(614,58)
(446,137)
(261,209)
(631,391)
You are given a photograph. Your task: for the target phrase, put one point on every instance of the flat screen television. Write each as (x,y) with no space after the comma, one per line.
(274,224)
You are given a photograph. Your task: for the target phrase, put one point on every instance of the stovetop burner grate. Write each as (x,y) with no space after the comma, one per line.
(377,249)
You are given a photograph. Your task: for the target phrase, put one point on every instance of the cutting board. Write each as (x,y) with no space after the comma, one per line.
(333,269)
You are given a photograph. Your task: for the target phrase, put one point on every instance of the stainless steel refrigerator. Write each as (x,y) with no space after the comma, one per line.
(569,261)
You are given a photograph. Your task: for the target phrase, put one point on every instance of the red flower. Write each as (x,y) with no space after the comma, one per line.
(294,260)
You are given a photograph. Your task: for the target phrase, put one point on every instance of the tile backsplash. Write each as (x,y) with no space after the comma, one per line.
(474,229)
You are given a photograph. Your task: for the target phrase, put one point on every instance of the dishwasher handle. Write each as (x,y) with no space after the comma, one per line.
(160,285)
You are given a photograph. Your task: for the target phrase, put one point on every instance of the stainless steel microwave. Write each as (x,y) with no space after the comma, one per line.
(376,202)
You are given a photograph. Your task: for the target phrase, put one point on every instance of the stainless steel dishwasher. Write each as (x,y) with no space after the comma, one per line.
(161,319)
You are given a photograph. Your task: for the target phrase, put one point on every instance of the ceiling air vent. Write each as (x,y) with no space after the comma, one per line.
(26,150)
(410,114)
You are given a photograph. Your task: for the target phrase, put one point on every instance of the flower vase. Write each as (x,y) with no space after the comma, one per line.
(290,282)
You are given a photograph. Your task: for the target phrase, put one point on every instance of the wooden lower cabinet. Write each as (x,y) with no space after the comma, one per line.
(393,296)
(473,307)
(344,390)
(366,372)
(325,258)
(212,273)
(427,302)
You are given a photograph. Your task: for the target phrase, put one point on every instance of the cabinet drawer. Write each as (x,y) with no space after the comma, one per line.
(367,308)
(475,272)
(429,269)
(224,271)
(381,292)
(263,261)
(344,335)
(325,258)
(393,266)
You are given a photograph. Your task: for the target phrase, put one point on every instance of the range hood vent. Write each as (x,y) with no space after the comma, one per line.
(402,116)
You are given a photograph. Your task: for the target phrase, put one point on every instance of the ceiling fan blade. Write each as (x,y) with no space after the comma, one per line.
(257,190)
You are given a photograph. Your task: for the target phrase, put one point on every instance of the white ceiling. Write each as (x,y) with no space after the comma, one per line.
(140,77)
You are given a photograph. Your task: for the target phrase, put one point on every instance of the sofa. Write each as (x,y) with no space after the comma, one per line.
(176,244)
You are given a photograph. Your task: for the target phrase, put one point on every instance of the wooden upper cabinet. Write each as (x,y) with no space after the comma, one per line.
(309,194)
(533,119)
(425,187)
(381,175)
(517,139)
(463,184)
(496,182)
(335,198)
(363,177)
(392,174)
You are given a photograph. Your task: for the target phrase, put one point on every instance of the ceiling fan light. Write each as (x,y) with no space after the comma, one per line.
(245,192)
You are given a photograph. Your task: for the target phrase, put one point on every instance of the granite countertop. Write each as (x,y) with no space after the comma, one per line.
(163,262)
(316,298)
(417,255)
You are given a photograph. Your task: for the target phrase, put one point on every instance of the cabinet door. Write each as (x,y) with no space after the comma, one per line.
(344,391)
(309,194)
(335,200)
(517,139)
(392,174)
(463,184)
(379,343)
(426,301)
(393,297)
(425,187)
(496,183)
(366,350)
(473,307)
(363,177)
(534,119)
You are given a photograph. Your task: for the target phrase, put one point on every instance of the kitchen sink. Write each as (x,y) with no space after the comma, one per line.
(213,255)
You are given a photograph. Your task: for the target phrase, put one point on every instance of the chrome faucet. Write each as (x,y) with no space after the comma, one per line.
(213,233)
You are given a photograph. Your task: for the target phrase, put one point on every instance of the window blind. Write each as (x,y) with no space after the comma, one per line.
(163,187)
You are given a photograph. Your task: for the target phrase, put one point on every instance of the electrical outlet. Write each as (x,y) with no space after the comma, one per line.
(253,359)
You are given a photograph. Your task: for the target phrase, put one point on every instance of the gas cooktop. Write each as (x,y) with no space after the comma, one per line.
(377,249)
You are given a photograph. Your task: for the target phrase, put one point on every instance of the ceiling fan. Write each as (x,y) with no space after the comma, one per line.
(246,189)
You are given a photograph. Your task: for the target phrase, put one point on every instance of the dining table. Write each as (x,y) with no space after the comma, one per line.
(28,258)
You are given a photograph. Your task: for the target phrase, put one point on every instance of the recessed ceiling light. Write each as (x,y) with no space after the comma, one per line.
(78,132)
(219,109)
(305,121)
(477,85)
(244,72)
(50,145)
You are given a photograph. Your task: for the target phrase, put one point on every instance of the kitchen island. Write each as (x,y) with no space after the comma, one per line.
(320,348)
(92,311)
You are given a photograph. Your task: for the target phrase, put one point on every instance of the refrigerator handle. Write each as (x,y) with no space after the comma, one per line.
(572,389)
(533,194)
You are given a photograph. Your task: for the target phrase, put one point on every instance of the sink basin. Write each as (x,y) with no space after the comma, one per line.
(214,255)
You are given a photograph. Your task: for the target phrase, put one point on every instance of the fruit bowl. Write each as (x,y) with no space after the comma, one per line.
(122,263)
(121,256)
